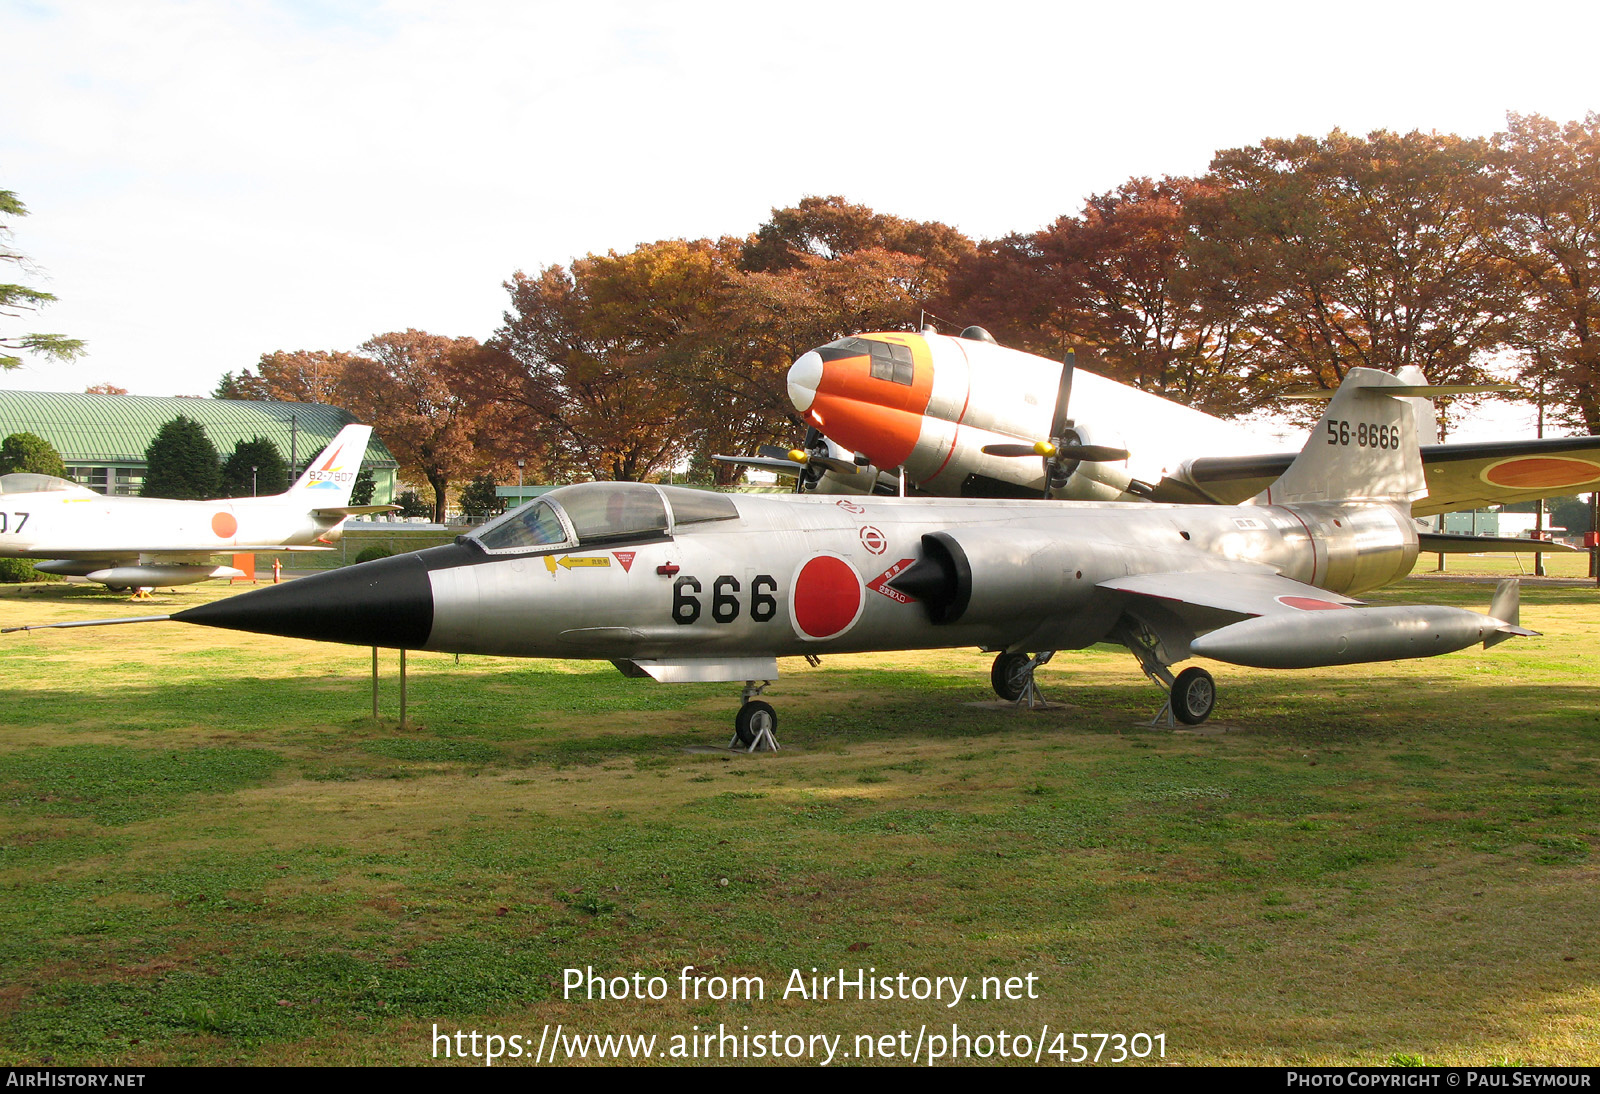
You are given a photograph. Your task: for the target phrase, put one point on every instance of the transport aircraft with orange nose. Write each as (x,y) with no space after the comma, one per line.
(966,417)
(128,543)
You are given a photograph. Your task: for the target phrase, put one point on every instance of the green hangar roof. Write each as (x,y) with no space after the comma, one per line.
(116,429)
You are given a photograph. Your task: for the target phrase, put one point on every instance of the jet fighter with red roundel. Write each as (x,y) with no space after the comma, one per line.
(685,585)
(143,542)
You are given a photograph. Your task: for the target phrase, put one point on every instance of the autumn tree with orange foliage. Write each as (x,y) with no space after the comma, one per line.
(1127,281)
(416,390)
(1362,251)
(593,360)
(1547,228)
(297,376)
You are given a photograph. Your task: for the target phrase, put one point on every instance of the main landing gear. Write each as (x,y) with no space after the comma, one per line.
(1012,678)
(1190,695)
(753,726)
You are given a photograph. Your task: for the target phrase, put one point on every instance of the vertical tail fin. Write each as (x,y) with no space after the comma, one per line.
(1427,410)
(1364,448)
(329,478)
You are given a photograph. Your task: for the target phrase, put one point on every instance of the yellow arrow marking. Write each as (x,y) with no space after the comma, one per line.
(569,562)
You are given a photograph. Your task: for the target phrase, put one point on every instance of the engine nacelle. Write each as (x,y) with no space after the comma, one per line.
(983,575)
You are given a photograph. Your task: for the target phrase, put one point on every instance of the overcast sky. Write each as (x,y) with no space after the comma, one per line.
(209,181)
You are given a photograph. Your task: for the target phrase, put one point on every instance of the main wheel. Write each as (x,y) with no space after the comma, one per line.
(752,718)
(1194,693)
(1009,676)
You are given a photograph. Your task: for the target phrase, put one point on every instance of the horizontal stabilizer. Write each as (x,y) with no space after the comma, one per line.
(353,511)
(1443,543)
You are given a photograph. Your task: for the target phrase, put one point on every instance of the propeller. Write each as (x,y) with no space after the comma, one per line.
(806,463)
(1064,451)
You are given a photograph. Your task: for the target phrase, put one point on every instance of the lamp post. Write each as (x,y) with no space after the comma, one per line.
(252,480)
(519,482)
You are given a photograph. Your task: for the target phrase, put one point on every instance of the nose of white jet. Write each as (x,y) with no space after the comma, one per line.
(804,377)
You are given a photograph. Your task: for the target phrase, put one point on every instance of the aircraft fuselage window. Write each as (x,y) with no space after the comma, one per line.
(892,362)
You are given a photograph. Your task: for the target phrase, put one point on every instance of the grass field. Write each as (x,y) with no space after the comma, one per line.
(210,852)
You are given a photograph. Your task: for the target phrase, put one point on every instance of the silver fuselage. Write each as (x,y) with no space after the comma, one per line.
(753,586)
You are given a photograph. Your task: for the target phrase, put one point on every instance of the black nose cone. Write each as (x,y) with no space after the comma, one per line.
(387,602)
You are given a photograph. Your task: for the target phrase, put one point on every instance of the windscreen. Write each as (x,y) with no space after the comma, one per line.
(532,525)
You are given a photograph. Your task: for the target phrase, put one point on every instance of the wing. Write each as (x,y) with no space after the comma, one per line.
(1229,595)
(1460,476)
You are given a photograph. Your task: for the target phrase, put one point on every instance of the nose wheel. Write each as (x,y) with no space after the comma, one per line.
(1012,677)
(756,722)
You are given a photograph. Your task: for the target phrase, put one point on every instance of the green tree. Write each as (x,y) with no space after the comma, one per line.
(182,462)
(361,493)
(270,474)
(16,299)
(479,501)
(31,453)
(411,505)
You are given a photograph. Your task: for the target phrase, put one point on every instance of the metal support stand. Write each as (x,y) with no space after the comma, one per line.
(374,683)
(763,741)
(402,689)
(1031,696)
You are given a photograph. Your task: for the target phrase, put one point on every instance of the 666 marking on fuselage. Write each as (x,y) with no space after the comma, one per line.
(725,603)
(825,598)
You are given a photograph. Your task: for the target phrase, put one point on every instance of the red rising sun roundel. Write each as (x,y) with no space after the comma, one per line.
(1541,472)
(1308,604)
(224,525)
(826,599)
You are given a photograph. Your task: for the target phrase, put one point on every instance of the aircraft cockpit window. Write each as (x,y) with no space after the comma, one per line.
(29,482)
(533,525)
(698,506)
(612,510)
(891,361)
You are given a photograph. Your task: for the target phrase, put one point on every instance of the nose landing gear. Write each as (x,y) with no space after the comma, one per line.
(1012,678)
(753,726)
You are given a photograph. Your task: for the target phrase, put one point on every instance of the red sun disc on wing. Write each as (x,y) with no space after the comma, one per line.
(1541,472)
(224,525)
(827,597)
(1308,604)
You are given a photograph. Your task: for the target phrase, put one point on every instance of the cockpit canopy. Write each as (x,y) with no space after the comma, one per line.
(602,512)
(28,482)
